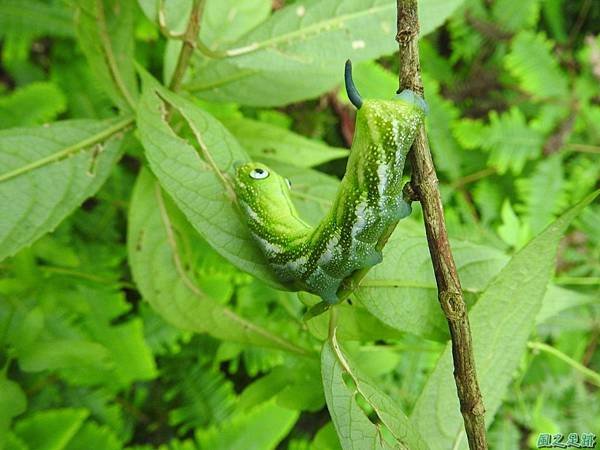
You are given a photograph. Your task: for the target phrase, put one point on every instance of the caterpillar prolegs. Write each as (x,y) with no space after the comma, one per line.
(369,199)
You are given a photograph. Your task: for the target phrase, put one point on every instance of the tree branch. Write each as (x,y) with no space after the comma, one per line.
(424,183)
(189,44)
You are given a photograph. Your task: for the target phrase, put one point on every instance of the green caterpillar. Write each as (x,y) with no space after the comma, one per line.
(369,199)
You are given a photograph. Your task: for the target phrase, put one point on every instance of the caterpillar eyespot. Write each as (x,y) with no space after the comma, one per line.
(259,173)
(369,199)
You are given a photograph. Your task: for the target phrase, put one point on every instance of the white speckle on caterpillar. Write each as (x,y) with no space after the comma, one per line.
(382,173)
(251,213)
(329,251)
(360,221)
(300,11)
(269,248)
(298,264)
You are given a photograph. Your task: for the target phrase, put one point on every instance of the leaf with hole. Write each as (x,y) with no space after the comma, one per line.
(48,171)
(364,417)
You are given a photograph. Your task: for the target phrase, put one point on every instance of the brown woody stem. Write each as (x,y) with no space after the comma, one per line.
(424,183)
(189,44)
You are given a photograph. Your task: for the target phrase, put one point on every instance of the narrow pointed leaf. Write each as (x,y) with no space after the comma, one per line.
(501,322)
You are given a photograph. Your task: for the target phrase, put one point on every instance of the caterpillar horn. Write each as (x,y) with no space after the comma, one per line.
(351,90)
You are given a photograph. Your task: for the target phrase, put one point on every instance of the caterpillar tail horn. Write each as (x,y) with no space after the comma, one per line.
(351,90)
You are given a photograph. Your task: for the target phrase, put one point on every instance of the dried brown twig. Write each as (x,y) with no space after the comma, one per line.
(424,184)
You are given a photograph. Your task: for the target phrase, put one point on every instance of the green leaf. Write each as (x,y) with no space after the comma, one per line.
(63,354)
(488,200)
(85,97)
(504,435)
(12,398)
(13,401)
(401,291)
(513,16)
(51,429)
(14,443)
(433,13)
(225,21)
(157,235)
(264,140)
(559,299)
(94,436)
(35,17)
(199,181)
(511,141)
(33,104)
(326,439)
(105,33)
(131,356)
(508,138)
(48,171)
(354,324)
(202,396)
(294,386)
(442,113)
(471,133)
(303,391)
(512,230)
(262,428)
(553,11)
(531,61)
(389,428)
(308,42)
(374,81)
(501,322)
(543,192)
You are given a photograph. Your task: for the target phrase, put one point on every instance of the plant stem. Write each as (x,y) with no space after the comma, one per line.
(189,44)
(109,56)
(592,376)
(460,182)
(424,183)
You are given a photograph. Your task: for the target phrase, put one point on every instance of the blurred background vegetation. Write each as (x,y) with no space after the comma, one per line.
(513,90)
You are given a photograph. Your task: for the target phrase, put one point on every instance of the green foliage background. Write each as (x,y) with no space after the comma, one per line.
(134,310)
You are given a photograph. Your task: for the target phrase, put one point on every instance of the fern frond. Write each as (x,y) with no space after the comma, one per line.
(32,104)
(508,138)
(542,194)
(532,63)
(513,16)
(204,397)
(261,428)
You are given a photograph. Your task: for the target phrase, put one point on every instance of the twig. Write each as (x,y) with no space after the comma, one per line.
(189,44)
(475,176)
(162,24)
(425,184)
(584,148)
(562,132)
(581,17)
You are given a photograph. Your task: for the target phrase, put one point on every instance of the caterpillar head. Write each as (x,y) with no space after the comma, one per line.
(263,190)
